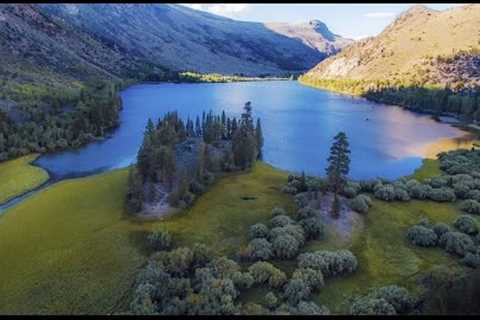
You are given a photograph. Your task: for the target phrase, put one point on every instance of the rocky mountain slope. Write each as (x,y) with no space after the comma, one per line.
(181,38)
(314,34)
(416,47)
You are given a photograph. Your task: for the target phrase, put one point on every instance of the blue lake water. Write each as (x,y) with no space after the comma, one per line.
(298,123)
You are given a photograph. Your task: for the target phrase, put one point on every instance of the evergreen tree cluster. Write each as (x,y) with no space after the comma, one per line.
(238,141)
(95,110)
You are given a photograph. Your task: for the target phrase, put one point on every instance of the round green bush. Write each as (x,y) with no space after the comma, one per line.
(419,191)
(160,240)
(308,308)
(259,249)
(314,228)
(371,306)
(421,236)
(466,224)
(285,246)
(442,195)
(296,290)
(312,278)
(440,228)
(258,230)
(470,206)
(360,203)
(331,263)
(280,221)
(473,195)
(385,192)
(457,243)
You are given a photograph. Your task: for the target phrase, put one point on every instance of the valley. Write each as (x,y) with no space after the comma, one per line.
(163,159)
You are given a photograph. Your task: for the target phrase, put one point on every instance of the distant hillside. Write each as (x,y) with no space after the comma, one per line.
(181,38)
(314,34)
(422,49)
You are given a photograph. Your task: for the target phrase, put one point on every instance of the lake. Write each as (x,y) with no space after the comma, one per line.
(298,123)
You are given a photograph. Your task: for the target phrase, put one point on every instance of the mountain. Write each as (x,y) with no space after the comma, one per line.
(422,46)
(181,38)
(314,34)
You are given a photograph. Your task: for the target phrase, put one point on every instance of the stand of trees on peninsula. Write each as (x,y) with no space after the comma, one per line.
(178,160)
(54,121)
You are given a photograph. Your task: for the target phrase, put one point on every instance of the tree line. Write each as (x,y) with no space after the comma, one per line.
(65,122)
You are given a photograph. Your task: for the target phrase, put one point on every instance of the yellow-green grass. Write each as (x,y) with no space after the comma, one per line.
(430,168)
(72,249)
(384,255)
(19,176)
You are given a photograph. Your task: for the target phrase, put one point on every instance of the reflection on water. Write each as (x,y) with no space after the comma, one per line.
(298,124)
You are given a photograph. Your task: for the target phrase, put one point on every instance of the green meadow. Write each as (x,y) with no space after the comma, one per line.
(19,176)
(72,249)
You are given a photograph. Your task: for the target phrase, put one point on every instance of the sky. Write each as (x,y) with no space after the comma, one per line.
(353,21)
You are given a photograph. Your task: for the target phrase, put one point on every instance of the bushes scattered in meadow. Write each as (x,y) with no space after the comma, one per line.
(461,243)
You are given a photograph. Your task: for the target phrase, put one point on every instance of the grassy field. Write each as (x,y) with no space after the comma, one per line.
(384,255)
(71,248)
(19,176)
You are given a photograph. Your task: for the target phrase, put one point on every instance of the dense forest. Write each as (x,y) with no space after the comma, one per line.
(180,159)
(57,120)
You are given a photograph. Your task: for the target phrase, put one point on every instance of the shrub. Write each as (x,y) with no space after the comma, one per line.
(419,191)
(371,306)
(331,263)
(280,221)
(440,229)
(439,182)
(264,272)
(456,242)
(401,194)
(312,278)
(389,300)
(296,290)
(308,308)
(351,189)
(201,255)
(314,228)
(270,300)
(398,297)
(142,303)
(259,249)
(242,280)
(442,195)
(470,206)
(277,211)
(461,189)
(466,224)
(160,240)
(474,195)
(258,230)
(361,203)
(306,212)
(301,200)
(385,192)
(285,246)
(472,259)
(293,230)
(421,236)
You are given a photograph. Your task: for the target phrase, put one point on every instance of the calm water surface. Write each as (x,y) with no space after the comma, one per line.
(298,124)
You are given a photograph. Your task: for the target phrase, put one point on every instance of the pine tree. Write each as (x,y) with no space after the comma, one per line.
(244,140)
(259,138)
(338,166)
